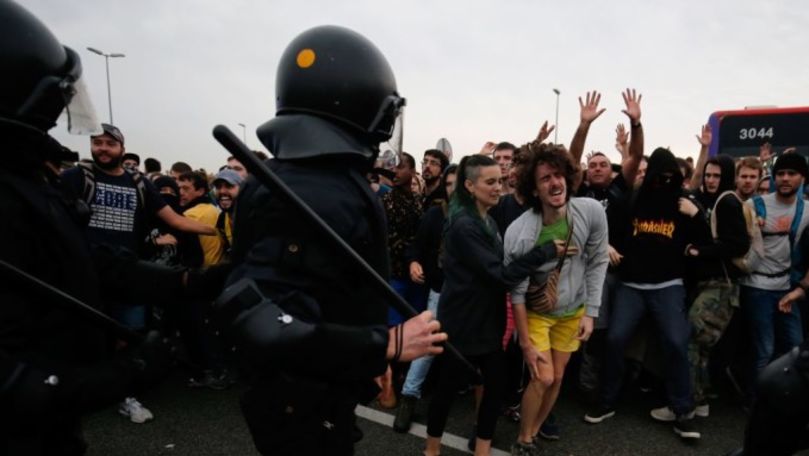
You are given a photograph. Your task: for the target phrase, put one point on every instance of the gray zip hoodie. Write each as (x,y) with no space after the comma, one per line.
(582,275)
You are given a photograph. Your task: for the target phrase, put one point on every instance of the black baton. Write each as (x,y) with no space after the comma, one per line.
(74,304)
(266,177)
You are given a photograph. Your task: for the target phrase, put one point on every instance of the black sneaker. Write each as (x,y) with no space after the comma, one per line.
(404,416)
(599,414)
(523,449)
(686,428)
(550,428)
(211,380)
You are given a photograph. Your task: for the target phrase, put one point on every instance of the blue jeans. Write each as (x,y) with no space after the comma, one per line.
(667,307)
(768,325)
(413,293)
(420,367)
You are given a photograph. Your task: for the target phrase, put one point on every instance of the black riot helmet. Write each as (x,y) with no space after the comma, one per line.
(39,77)
(338,76)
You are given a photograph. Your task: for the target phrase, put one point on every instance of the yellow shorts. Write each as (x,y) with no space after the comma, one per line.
(554,333)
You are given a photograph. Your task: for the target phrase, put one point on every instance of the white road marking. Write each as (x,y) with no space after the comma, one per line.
(419,430)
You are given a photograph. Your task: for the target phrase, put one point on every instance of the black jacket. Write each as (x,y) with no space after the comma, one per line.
(472,307)
(732,238)
(427,246)
(654,234)
(275,246)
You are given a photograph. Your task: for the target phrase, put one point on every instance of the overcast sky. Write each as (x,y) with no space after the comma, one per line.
(472,71)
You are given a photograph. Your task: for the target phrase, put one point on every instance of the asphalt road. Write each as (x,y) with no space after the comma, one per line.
(203,422)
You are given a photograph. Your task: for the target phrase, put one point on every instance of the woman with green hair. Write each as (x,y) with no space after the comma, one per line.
(472,307)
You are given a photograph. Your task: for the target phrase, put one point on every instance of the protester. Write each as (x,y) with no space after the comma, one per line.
(717,291)
(227,184)
(653,239)
(426,269)
(471,308)
(432,166)
(774,325)
(552,322)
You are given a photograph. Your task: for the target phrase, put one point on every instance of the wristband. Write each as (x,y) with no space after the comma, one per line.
(634,125)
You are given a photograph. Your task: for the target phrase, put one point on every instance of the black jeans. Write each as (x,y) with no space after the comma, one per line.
(453,376)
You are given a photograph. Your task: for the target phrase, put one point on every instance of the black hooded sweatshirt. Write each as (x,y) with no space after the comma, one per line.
(654,234)
(732,238)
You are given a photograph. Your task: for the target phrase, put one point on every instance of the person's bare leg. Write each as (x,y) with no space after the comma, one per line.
(532,400)
(433,447)
(483,447)
(560,360)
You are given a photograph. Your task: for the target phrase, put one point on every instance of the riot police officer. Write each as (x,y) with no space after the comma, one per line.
(336,102)
(53,363)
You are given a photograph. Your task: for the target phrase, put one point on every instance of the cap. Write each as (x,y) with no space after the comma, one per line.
(228,175)
(131,156)
(113,131)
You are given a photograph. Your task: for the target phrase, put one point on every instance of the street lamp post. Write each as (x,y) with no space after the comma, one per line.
(244,133)
(107,62)
(556,130)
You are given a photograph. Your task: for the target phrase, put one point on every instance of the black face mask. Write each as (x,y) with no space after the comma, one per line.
(173,201)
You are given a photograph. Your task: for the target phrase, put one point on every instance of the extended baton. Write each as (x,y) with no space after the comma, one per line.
(265,176)
(72,303)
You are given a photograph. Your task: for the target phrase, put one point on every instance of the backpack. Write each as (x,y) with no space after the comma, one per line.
(747,262)
(795,254)
(89,190)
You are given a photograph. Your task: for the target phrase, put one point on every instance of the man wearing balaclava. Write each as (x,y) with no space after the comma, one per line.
(713,268)
(659,224)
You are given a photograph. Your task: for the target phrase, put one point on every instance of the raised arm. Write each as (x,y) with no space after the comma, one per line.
(544,132)
(588,112)
(622,141)
(630,165)
(704,139)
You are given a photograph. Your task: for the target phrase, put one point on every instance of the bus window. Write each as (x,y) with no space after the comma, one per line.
(741,133)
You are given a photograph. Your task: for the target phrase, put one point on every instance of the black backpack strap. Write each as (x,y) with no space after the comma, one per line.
(89,189)
(140,185)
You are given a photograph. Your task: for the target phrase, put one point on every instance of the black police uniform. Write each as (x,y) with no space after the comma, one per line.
(302,400)
(53,364)
(779,419)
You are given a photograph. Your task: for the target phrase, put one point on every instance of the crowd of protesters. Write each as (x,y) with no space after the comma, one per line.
(531,257)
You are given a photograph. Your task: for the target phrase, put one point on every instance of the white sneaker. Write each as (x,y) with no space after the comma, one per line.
(136,412)
(703,411)
(666,415)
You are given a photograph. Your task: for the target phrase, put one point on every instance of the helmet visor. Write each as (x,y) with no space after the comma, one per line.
(81,116)
(395,143)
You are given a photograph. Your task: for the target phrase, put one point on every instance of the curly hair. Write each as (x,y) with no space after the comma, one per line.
(554,155)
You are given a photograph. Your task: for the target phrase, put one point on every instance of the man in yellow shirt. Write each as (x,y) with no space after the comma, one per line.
(197,205)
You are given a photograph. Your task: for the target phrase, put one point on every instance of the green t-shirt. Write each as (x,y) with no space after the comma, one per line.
(550,233)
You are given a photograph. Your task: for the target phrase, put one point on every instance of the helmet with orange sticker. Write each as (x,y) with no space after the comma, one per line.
(339,75)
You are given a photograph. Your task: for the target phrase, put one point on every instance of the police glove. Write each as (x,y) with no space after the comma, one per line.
(26,393)
(151,361)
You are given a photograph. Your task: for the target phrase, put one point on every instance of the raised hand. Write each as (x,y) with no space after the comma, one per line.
(544,132)
(621,135)
(589,108)
(487,148)
(765,152)
(705,136)
(632,101)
